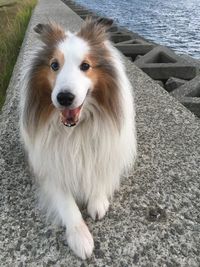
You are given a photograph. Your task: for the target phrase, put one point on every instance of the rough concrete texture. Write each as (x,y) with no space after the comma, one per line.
(172,83)
(192,103)
(154,218)
(161,83)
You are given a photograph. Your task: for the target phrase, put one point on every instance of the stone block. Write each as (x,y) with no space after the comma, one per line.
(173,83)
(113,28)
(189,89)
(191,60)
(134,40)
(193,104)
(160,83)
(138,56)
(118,37)
(189,95)
(83,12)
(134,49)
(161,63)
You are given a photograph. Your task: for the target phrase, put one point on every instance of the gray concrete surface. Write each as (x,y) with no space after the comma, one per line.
(154,218)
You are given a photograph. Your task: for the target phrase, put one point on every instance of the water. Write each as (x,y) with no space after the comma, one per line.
(173,23)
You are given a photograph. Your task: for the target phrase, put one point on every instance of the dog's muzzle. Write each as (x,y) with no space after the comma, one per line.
(70,117)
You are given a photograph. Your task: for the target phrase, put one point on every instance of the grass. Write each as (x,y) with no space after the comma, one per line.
(14,16)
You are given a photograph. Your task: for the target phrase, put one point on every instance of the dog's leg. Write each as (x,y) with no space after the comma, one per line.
(78,236)
(98,203)
(97,207)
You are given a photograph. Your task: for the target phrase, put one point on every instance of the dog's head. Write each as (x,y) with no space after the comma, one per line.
(77,65)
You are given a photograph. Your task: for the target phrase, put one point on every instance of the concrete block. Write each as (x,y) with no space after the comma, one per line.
(191,60)
(189,89)
(189,95)
(120,37)
(83,16)
(77,8)
(134,49)
(138,56)
(113,28)
(130,45)
(161,83)
(84,13)
(135,41)
(192,103)
(173,83)
(135,36)
(162,63)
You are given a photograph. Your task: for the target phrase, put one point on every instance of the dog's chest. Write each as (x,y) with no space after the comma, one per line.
(69,158)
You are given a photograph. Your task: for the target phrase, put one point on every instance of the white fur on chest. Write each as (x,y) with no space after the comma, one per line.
(75,159)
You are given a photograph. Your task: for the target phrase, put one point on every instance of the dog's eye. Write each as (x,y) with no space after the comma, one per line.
(55,66)
(84,66)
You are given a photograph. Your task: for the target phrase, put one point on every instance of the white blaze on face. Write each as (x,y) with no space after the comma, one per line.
(70,78)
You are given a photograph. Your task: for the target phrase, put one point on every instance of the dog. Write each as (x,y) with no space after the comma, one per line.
(77,124)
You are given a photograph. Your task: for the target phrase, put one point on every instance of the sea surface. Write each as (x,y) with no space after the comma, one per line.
(173,23)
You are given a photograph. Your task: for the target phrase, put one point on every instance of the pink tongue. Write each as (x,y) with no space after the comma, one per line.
(70,117)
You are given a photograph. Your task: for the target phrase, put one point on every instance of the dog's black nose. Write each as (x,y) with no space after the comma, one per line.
(65,98)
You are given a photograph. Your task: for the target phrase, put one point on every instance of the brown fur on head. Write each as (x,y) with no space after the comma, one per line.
(95,31)
(50,33)
(41,78)
(102,72)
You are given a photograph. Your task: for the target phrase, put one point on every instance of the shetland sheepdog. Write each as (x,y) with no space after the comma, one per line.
(77,124)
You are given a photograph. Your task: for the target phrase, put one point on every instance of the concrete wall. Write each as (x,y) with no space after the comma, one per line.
(154,218)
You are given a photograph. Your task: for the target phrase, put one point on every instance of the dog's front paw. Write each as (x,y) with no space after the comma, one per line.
(80,240)
(97,207)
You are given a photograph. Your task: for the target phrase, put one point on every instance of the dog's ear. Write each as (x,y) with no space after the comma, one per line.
(49,33)
(95,30)
(100,22)
(39,28)
(105,22)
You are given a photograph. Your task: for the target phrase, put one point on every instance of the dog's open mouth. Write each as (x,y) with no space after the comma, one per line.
(70,117)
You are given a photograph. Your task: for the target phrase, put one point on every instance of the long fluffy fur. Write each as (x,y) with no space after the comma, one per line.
(85,160)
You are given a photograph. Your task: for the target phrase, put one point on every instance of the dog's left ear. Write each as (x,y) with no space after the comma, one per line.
(95,30)
(104,22)
(50,32)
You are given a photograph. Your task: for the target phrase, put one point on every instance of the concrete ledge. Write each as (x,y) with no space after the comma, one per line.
(154,218)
